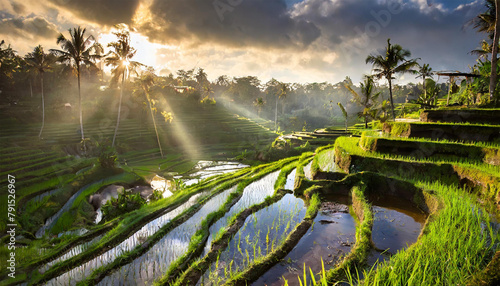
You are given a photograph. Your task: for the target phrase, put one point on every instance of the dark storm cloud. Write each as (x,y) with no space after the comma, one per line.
(32,27)
(353,29)
(234,23)
(105,12)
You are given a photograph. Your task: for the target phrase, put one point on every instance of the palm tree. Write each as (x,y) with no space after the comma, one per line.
(76,51)
(344,113)
(488,22)
(259,103)
(392,62)
(424,72)
(367,99)
(281,94)
(145,81)
(120,58)
(39,62)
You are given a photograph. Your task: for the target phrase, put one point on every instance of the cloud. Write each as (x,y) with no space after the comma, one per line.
(235,23)
(104,12)
(32,28)
(356,28)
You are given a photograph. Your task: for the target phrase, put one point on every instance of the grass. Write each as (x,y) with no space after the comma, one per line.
(258,267)
(359,252)
(221,241)
(458,243)
(220,184)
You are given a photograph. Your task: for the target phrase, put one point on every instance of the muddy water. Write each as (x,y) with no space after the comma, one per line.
(262,232)
(330,238)
(397,223)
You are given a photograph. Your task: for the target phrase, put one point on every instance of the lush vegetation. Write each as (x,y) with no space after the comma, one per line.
(85,152)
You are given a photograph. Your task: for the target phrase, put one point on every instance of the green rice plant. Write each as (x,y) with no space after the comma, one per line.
(457,244)
(359,252)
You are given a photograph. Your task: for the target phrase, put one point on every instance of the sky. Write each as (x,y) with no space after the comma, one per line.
(300,41)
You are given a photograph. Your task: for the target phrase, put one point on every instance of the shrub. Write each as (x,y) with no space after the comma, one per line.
(126,202)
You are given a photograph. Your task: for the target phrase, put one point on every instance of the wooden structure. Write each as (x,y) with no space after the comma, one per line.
(453,75)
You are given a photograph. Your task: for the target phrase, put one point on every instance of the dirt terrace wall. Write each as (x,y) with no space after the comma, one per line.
(486,184)
(419,149)
(461,116)
(443,131)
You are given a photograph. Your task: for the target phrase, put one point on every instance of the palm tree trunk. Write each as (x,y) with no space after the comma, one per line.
(276,115)
(494,52)
(423,85)
(154,123)
(366,122)
(449,90)
(390,97)
(80,107)
(119,110)
(43,107)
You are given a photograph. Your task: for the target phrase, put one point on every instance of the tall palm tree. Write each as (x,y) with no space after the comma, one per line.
(488,22)
(425,71)
(259,103)
(392,62)
(145,81)
(38,63)
(367,99)
(120,58)
(281,93)
(76,50)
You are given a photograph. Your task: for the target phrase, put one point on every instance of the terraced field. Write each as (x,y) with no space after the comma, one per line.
(369,210)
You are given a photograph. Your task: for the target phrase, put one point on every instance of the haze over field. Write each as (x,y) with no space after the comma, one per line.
(295,41)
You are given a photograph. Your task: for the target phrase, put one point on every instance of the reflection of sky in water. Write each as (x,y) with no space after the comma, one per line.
(393,230)
(155,262)
(262,232)
(77,274)
(290,180)
(255,193)
(327,241)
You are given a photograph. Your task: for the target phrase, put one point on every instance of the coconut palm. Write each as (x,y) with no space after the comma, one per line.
(259,103)
(424,72)
(392,62)
(76,50)
(281,93)
(488,22)
(39,62)
(344,113)
(120,58)
(145,81)
(367,99)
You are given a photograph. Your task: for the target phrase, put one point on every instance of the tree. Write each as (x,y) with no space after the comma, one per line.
(38,63)
(120,58)
(281,94)
(392,62)
(367,99)
(344,113)
(488,22)
(259,103)
(76,51)
(431,93)
(494,51)
(424,71)
(145,81)
(201,79)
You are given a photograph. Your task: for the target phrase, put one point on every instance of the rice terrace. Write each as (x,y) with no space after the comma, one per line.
(252,142)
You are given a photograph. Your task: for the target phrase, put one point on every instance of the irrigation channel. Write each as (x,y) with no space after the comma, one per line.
(203,170)
(331,237)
